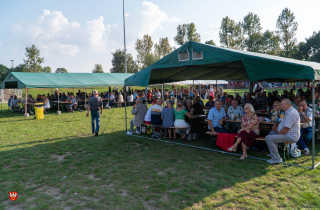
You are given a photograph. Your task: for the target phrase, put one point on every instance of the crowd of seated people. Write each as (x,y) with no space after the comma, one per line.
(294,107)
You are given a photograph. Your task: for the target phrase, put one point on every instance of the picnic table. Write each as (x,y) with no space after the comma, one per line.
(61,103)
(259,112)
(206,110)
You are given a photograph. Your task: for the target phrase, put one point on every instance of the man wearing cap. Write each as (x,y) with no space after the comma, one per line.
(96,106)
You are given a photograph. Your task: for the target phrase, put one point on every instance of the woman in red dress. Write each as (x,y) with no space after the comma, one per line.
(249,130)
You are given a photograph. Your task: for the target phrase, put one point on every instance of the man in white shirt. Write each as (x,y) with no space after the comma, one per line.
(238,112)
(158,94)
(14,103)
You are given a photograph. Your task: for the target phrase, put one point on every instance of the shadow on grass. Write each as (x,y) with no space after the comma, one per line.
(117,171)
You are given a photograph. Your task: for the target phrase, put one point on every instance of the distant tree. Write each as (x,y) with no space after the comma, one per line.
(185,33)
(310,50)
(47,69)
(21,68)
(210,42)
(98,69)
(252,29)
(118,64)
(61,70)
(230,34)
(287,28)
(270,43)
(4,71)
(163,48)
(144,48)
(33,59)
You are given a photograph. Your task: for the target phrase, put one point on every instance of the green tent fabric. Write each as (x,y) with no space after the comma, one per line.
(223,64)
(22,80)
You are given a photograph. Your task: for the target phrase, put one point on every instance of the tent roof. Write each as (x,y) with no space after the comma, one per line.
(225,64)
(22,80)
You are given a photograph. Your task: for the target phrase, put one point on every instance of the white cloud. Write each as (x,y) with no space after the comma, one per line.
(96,30)
(53,33)
(79,46)
(150,18)
(0,44)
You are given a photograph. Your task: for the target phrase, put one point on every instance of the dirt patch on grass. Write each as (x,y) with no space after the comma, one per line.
(162,173)
(92,177)
(124,192)
(51,191)
(60,157)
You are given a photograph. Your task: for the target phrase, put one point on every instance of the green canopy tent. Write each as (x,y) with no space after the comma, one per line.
(26,80)
(21,80)
(196,61)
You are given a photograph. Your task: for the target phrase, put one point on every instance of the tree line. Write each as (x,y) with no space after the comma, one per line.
(243,35)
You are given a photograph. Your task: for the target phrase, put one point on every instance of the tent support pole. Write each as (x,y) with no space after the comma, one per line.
(313,124)
(125,107)
(176,94)
(193,90)
(26,105)
(162,93)
(85,97)
(58,100)
(234,84)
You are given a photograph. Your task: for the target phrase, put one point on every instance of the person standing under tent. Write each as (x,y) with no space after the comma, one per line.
(212,92)
(96,106)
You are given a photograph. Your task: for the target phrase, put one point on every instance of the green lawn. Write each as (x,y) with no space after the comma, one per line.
(56,163)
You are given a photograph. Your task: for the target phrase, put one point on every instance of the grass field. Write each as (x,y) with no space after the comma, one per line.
(56,163)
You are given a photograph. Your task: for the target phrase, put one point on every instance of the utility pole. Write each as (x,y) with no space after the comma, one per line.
(124,34)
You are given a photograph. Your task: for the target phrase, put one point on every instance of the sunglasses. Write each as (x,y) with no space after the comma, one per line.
(275,105)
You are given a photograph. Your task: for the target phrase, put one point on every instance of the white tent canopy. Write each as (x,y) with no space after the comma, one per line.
(198,82)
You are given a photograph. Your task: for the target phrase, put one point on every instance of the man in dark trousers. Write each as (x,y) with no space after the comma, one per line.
(95,105)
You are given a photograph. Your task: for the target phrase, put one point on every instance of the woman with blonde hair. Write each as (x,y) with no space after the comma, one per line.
(179,115)
(249,130)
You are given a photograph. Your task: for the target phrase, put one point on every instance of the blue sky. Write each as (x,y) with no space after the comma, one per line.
(76,34)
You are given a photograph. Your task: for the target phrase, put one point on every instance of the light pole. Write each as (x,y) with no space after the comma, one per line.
(124,34)
(12,64)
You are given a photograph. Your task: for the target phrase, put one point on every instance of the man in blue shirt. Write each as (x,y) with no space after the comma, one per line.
(215,119)
(135,95)
(105,95)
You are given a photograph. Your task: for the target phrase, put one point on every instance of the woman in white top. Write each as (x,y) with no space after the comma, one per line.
(130,98)
(46,104)
(120,99)
(111,99)
(212,92)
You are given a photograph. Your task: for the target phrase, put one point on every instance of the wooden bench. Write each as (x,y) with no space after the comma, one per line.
(283,146)
(181,129)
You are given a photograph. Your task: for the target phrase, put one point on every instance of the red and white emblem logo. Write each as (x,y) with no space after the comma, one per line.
(13,196)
